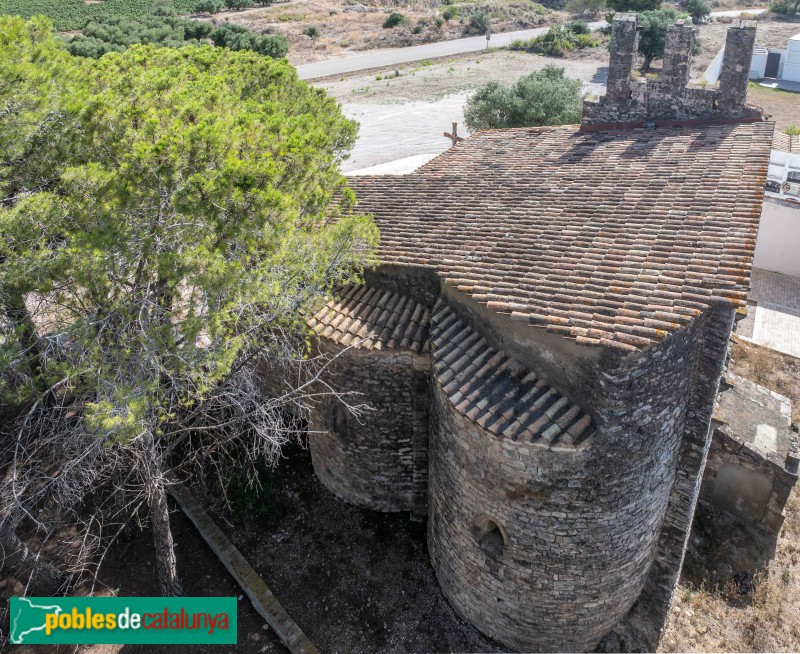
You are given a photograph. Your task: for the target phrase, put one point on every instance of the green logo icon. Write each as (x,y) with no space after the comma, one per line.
(122,620)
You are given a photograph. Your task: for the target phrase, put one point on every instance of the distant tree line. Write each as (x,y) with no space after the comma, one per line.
(165,28)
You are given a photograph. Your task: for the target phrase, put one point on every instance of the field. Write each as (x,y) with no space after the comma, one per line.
(71,14)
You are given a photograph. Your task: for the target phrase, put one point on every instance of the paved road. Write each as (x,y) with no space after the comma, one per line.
(391,57)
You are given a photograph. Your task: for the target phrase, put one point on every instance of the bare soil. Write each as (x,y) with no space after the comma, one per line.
(740,588)
(354,580)
(351,25)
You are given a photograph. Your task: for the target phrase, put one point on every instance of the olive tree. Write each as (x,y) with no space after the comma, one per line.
(201,216)
(545,97)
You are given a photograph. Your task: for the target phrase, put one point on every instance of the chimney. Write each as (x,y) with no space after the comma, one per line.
(677,57)
(736,66)
(622,57)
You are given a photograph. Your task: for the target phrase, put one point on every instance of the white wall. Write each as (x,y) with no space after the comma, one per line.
(778,241)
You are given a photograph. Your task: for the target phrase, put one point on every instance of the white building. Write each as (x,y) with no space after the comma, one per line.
(775,63)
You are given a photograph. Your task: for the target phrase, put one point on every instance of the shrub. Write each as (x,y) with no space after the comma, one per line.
(394,19)
(579,27)
(698,10)
(209,7)
(633,5)
(792,130)
(557,42)
(450,13)
(239,4)
(545,97)
(479,23)
(236,37)
(786,7)
(585,7)
(311,31)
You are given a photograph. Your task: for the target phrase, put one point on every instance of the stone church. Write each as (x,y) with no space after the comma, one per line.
(543,341)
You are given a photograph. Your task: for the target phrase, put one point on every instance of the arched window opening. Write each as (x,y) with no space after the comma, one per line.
(490,536)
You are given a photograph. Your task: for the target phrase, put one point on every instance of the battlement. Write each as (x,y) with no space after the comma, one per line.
(668,99)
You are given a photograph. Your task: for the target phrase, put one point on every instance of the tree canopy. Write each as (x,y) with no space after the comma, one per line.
(653,37)
(545,97)
(197,214)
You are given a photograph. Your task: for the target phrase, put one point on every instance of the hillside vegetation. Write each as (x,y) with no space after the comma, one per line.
(72,14)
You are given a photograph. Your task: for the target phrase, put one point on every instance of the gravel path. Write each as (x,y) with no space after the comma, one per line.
(407,115)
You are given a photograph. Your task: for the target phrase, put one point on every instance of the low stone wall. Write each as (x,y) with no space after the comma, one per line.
(752,463)
(377,460)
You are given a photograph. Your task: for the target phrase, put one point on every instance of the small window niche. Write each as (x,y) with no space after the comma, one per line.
(490,536)
(338,420)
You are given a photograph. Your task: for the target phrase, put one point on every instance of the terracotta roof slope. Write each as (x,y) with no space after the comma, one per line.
(610,237)
(367,318)
(498,393)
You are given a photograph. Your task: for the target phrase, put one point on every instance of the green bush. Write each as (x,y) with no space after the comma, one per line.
(479,23)
(236,37)
(208,7)
(558,41)
(545,97)
(311,31)
(786,7)
(450,13)
(579,27)
(698,10)
(633,5)
(115,33)
(395,19)
(792,130)
(239,4)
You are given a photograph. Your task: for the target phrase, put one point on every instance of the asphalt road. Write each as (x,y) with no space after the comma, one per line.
(393,56)
(390,57)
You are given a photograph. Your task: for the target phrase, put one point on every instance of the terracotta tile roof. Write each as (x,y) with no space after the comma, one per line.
(497,392)
(612,238)
(367,318)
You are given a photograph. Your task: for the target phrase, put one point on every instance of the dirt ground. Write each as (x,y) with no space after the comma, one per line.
(349,25)
(740,589)
(354,580)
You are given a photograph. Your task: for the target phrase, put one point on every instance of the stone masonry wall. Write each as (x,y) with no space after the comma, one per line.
(582,528)
(667,99)
(703,371)
(378,460)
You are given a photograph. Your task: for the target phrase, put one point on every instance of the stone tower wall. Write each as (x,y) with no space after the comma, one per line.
(667,100)
(379,460)
(711,342)
(582,527)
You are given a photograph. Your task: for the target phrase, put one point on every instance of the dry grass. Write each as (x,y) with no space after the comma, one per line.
(774,370)
(740,588)
(731,596)
(354,25)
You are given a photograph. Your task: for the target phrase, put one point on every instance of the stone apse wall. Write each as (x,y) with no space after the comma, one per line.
(379,459)
(542,541)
